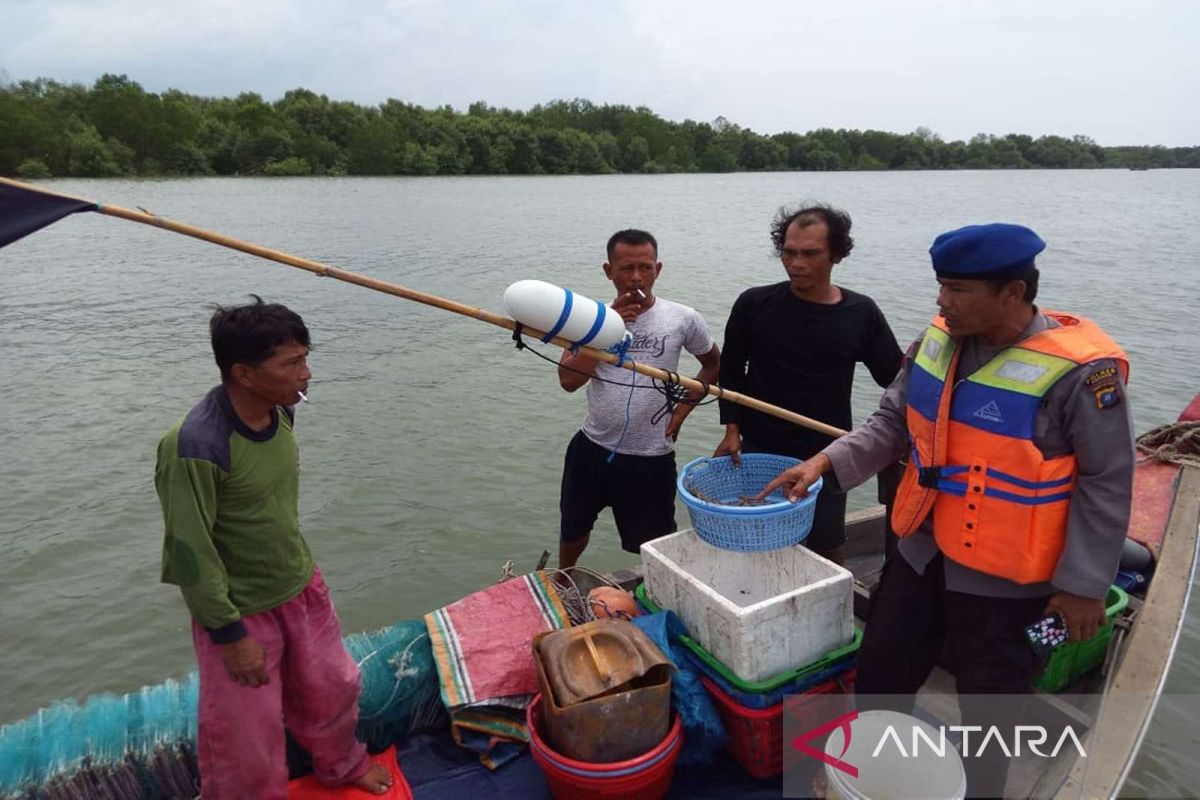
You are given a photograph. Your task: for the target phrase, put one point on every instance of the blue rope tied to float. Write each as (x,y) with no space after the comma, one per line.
(612,456)
(597,324)
(621,349)
(562,317)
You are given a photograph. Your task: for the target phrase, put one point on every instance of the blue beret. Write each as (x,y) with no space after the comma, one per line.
(985,252)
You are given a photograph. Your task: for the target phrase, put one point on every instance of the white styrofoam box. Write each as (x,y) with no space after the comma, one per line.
(759,614)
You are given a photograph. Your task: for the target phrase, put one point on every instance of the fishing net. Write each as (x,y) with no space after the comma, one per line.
(110,747)
(141,745)
(399,684)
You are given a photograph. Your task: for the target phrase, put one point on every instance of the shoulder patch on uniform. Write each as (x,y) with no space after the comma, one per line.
(1107,395)
(1100,375)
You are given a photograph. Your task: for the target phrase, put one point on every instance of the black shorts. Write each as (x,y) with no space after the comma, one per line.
(829,518)
(640,490)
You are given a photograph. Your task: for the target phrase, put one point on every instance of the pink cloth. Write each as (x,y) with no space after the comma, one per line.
(314,689)
(481,642)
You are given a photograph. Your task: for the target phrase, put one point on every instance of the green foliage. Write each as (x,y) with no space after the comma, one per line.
(185,158)
(290,166)
(116,128)
(90,156)
(635,153)
(717,159)
(33,170)
(866,161)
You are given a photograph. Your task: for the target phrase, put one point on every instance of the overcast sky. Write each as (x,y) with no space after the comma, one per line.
(1122,72)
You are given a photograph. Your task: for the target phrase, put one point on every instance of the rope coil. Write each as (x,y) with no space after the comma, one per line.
(1174,443)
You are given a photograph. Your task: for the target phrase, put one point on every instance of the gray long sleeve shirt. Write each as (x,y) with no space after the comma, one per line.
(1070,420)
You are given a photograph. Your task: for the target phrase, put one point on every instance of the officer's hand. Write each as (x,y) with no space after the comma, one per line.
(730,446)
(246,662)
(797,479)
(1083,616)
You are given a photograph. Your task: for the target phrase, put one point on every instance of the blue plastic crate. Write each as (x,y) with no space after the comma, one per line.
(775,696)
(712,488)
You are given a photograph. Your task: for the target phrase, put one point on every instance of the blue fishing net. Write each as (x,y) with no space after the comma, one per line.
(399,682)
(133,745)
(142,744)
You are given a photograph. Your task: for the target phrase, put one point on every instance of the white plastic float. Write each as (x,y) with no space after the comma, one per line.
(561,312)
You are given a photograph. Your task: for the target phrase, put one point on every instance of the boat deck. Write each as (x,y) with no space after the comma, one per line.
(1150,627)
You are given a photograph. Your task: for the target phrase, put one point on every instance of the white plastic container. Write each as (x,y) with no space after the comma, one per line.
(924,770)
(759,614)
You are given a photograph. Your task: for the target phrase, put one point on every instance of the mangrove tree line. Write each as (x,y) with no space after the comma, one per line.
(116,128)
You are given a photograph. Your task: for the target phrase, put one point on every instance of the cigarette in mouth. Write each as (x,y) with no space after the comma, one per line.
(641,294)
(303,396)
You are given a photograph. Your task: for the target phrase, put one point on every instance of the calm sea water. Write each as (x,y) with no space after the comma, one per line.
(431,449)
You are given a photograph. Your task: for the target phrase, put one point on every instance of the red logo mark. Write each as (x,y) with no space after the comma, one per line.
(801,743)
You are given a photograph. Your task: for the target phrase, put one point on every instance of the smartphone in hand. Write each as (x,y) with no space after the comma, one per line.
(1047,633)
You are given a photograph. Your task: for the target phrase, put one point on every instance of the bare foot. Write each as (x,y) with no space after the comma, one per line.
(375,780)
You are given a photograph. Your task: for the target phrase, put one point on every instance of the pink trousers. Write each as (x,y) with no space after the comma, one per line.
(313,689)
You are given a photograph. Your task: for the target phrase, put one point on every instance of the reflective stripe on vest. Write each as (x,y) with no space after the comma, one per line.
(929,370)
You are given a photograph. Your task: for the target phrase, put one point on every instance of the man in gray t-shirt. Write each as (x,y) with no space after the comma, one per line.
(624,456)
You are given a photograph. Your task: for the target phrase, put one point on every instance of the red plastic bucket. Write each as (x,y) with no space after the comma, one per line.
(647,777)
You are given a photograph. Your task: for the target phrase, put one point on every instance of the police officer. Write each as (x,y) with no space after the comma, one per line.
(1015,498)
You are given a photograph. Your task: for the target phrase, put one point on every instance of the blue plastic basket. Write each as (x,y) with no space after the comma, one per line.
(722,523)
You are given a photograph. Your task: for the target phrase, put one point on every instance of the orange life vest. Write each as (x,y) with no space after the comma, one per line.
(999,506)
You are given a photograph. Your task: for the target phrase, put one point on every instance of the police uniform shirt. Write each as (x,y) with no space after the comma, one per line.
(1085,413)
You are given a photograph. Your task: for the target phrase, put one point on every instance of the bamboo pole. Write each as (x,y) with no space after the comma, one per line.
(327,271)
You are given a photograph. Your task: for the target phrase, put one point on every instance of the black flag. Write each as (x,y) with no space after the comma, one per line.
(23,211)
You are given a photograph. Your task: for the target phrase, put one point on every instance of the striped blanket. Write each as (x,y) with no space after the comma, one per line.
(487,676)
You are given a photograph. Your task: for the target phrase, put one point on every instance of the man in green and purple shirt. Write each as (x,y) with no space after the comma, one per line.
(268,642)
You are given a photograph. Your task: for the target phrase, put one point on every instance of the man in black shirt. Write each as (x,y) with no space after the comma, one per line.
(795,344)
